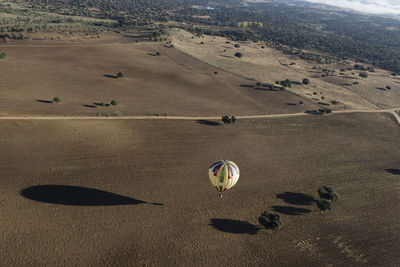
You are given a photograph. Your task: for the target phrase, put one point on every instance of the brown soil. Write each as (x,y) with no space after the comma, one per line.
(164,161)
(269,65)
(172,83)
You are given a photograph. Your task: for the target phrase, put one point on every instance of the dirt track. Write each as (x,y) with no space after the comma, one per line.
(391,111)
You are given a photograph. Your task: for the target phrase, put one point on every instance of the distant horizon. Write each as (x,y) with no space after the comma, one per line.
(366,6)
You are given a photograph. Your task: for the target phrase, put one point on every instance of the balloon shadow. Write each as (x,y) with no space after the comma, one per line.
(296,198)
(78,196)
(234,226)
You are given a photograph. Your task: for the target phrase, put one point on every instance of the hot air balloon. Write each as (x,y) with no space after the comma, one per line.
(223,175)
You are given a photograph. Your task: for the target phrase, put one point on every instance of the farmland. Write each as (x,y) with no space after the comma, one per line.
(165,211)
(110,116)
(172,83)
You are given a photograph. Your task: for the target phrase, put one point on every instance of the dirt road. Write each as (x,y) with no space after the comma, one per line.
(265,116)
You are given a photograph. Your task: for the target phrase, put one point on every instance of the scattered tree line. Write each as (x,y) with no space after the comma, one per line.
(228,120)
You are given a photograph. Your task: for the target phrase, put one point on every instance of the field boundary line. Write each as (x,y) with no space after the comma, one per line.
(152,117)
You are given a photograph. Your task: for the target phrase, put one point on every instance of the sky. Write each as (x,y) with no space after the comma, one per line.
(368,6)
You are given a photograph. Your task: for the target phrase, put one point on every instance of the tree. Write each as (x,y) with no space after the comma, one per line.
(324,205)
(226,120)
(158,53)
(388,87)
(238,55)
(328,193)
(56,99)
(114,103)
(286,83)
(325,110)
(363,75)
(306,81)
(270,221)
(120,75)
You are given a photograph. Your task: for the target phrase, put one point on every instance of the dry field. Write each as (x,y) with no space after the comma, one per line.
(172,83)
(157,207)
(269,65)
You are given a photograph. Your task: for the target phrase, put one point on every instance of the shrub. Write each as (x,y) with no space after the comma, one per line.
(120,75)
(270,221)
(355,82)
(286,83)
(114,103)
(236,45)
(258,84)
(226,120)
(215,72)
(56,99)
(233,119)
(3,55)
(158,53)
(238,55)
(363,75)
(325,110)
(334,102)
(328,193)
(324,205)
(301,102)
(388,87)
(306,81)
(201,42)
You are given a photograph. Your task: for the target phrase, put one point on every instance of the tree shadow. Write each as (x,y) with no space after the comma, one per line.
(288,210)
(296,198)
(44,101)
(312,112)
(78,196)
(234,226)
(393,171)
(323,104)
(90,106)
(272,89)
(247,85)
(152,54)
(381,88)
(291,104)
(295,82)
(207,122)
(110,76)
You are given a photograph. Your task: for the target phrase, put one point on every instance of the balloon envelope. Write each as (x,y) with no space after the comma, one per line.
(223,175)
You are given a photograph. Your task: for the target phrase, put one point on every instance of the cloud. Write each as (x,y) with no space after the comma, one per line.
(367,6)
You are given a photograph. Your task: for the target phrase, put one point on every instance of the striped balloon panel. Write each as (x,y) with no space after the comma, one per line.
(224,175)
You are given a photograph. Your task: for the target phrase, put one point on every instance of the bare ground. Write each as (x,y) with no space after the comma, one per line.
(269,65)
(172,83)
(149,163)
